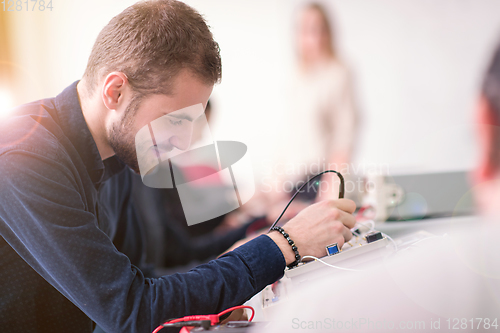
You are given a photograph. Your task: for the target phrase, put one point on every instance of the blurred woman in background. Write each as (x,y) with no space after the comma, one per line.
(322,116)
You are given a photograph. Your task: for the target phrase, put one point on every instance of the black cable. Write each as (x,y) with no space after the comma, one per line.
(341,192)
(193,323)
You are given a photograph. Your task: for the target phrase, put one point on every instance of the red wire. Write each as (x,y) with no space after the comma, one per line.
(236,308)
(214,319)
(158,329)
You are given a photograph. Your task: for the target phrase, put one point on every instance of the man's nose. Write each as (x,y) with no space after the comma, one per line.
(182,141)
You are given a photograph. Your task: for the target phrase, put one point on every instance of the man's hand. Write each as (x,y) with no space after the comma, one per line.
(317,226)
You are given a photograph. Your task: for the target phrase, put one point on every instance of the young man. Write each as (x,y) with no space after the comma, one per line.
(59,268)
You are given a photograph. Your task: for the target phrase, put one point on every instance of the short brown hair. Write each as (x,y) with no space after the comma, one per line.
(150,42)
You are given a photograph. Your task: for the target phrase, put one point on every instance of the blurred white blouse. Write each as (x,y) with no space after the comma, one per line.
(321,119)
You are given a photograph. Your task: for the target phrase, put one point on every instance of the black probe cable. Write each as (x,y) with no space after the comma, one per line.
(341,192)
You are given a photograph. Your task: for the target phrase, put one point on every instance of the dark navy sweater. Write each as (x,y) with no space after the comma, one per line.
(59,268)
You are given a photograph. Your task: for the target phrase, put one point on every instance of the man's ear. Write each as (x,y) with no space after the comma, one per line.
(113,89)
(488,132)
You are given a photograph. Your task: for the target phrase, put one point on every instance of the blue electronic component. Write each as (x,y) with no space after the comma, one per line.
(332,249)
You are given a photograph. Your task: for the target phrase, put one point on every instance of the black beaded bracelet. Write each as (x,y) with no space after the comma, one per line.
(292,244)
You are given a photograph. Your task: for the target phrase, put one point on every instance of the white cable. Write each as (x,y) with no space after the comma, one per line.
(421,240)
(327,264)
(371,223)
(392,240)
(424,239)
(363,224)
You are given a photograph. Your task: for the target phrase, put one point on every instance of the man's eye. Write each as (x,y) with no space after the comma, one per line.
(176,122)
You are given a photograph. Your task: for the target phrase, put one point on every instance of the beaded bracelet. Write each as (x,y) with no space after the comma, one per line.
(292,244)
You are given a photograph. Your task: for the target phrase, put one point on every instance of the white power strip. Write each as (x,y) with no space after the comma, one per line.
(357,251)
(354,253)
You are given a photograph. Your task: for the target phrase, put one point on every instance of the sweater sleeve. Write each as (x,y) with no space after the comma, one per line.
(44,219)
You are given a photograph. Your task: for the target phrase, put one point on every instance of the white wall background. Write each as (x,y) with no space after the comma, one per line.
(417,67)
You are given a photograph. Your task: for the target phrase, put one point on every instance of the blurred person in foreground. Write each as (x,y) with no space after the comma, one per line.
(444,283)
(60,270)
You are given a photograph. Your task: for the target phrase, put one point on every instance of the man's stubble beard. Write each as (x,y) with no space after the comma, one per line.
(121,137)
